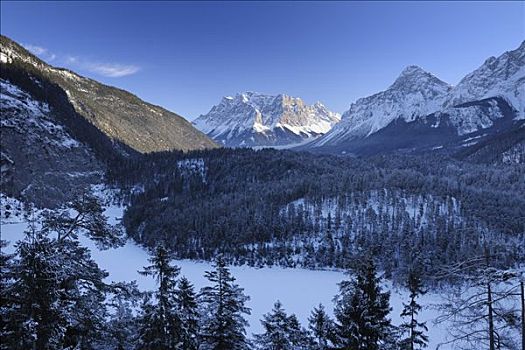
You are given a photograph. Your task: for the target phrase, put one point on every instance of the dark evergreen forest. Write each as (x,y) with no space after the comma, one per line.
(287,208)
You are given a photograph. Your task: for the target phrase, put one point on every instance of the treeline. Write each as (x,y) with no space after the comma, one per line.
(237,203)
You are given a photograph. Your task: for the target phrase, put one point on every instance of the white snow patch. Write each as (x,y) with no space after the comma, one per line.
(22,112)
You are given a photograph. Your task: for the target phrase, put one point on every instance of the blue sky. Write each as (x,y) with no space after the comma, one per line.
(186,56)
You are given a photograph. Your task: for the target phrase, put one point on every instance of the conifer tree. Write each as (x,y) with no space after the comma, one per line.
(223,324)
(281,332)
(38,315)
(121,327)
(187,308)
(7,331)
(57,294)
(361,311)
(416,338)
(160,325)
(322,328)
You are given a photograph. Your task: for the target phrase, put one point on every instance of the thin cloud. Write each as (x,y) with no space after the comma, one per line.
(40,51)
(70,59)
(105,69)
(37,50)
(112,70)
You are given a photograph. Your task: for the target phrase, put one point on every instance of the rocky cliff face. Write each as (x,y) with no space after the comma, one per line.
(251,119)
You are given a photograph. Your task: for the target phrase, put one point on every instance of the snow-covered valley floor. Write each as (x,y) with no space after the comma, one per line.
(299,290)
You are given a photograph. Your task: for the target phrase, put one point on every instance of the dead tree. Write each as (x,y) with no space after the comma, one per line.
(482,308)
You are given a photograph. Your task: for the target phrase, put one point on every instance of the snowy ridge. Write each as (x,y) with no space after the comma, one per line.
(10,52)
(414,93)
(152,128)
(417,94)
(252,119)
(503,76)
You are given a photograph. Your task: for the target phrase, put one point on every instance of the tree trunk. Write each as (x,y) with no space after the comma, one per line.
(491,318)
(522,316)
(412,326)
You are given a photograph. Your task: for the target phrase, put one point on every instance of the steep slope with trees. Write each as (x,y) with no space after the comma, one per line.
(120,115)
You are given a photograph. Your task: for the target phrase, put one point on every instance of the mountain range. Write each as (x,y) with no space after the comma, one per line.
(48,112)
(252,119)
(419,112)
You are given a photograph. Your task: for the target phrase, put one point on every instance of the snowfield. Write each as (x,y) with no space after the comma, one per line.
(299,290)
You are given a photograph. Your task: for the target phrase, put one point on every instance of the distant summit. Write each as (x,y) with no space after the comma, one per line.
(251,119)
(415,92)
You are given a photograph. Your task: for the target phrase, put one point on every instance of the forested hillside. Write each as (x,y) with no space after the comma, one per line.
(118,114)
(295,209)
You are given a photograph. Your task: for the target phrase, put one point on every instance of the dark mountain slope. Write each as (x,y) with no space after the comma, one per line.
(507,147)
(42,161)
(120,115)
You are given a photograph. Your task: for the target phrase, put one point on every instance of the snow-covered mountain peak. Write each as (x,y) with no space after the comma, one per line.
(411,71)
(415,92)
(255,119)
(414,78)
(492,94)
(502,76)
